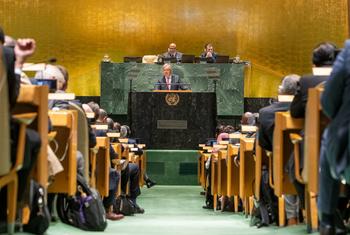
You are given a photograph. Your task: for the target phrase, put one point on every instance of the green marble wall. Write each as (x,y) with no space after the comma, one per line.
(173,167)
(116,77)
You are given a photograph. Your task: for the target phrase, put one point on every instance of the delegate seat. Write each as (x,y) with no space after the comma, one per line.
(282,149)
(65,123)
(35,99)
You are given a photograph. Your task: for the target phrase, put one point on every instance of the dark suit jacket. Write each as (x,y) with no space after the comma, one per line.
(178,55)
(298,106)
(204,55)
(267,123)
(336,105)
(175,83)
(13,79)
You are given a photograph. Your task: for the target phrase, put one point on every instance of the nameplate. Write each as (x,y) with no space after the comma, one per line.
(113,134)
(285,98)
(61,96)
(133,149)
(235,135)
(123,140)
(325,71)
(223,142)
(141,146)
(219,146)
(90,115)
(172,124)
(100,127)
(246,128)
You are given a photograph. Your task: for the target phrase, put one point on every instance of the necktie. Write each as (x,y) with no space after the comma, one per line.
(168,83)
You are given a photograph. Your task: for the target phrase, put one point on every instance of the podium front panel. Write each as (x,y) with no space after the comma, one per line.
(172,120)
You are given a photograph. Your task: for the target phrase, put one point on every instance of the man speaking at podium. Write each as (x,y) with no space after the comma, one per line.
(169,81)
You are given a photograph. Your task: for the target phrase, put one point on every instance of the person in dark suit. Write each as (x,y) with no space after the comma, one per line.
(323,57)
(172,53)
(334,153)
(209,53)
(265,135)
(169,81)
(14,59)
(267,114)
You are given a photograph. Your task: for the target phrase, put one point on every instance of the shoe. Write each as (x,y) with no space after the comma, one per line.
(150,183)
(327,230)
(292,221)
(202,193)
(138,209)
(208,207)
(113,216)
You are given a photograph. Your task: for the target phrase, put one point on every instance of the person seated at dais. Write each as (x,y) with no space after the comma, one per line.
(209,53)
(172,53)
(169,81)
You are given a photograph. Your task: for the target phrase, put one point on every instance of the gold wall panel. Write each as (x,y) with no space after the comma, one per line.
(277,36)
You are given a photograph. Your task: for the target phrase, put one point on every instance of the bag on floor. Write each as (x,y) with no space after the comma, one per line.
(124,205)
(85,210)
(40,218)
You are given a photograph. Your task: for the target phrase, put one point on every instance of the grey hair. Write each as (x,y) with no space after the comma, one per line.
(167,66)
(289,85)
(250,118)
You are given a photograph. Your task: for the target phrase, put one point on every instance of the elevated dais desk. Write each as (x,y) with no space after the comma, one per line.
(172,119)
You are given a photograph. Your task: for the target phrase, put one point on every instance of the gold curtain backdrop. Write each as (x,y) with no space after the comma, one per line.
(277,36)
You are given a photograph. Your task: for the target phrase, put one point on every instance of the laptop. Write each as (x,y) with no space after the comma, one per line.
(187,59)
(222,59)
(132,59)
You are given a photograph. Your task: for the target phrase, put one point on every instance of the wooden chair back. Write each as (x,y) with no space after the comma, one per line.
(65,123)
(315,122)
(103,164)
(35,99)
(83,137)
(282,149)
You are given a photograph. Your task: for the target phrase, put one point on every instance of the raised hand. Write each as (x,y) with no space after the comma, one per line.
(24,48)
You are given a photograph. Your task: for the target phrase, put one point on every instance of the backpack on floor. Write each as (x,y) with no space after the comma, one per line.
(85,210)
(123,205)
(40,217)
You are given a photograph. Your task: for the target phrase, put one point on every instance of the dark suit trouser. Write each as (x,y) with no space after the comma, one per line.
(113,186)
(131,172)
(328,186)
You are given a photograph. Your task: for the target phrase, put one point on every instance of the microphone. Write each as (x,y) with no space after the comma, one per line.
(51,60)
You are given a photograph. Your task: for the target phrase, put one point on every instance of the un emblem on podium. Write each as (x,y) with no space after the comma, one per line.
(172,99)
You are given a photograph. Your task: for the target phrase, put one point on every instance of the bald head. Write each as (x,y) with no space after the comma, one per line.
(172,48)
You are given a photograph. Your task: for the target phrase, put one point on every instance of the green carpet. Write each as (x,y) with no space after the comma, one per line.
(177,210)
